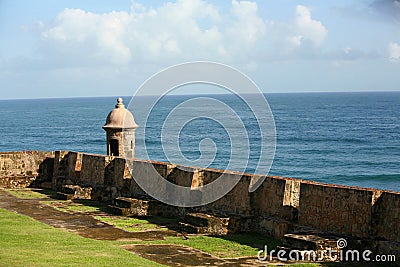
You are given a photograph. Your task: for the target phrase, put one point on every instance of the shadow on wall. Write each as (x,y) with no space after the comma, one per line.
(25,168)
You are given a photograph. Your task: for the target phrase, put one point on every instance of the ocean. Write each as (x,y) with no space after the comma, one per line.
(341,138)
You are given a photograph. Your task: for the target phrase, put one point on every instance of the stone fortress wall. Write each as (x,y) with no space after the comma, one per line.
(277,205)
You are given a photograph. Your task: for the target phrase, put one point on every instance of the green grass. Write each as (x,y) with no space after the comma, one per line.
(230,246)
(65,206)
(26,242)
(82,208)
(56,204)
(305,265)
(130,224)
(214,245)
(27,193)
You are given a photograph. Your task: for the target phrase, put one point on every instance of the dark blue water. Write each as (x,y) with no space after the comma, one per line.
(344,138)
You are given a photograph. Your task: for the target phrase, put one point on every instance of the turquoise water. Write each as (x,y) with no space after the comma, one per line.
(344,138)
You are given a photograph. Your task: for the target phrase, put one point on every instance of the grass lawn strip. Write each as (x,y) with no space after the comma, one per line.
(27,193)
(230,246)
(26,242)
(130,224)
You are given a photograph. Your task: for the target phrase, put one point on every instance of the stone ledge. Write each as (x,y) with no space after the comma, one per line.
(201,223)
(16,181)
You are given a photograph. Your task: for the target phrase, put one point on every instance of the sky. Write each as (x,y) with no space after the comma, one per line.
(70,48)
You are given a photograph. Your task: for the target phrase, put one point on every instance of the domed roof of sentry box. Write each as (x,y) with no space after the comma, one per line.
(120,118)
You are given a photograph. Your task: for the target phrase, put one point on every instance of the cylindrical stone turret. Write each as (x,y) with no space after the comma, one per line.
(120,128)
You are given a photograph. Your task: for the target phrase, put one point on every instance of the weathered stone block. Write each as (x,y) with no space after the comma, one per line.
(22,169)
(77,192)
(239,195)
(200,223)
(268,199)
(386,214)
(341,209)
(93,167)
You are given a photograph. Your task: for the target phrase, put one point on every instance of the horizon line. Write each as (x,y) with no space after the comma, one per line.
(195,94)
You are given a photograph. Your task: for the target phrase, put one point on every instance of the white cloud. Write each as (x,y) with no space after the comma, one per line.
(105,51)
(181,30)
(394,52)
(177,31)
(301,38)
(95,36)
(248,27)
(349,55)
(307,28)
(296,40)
